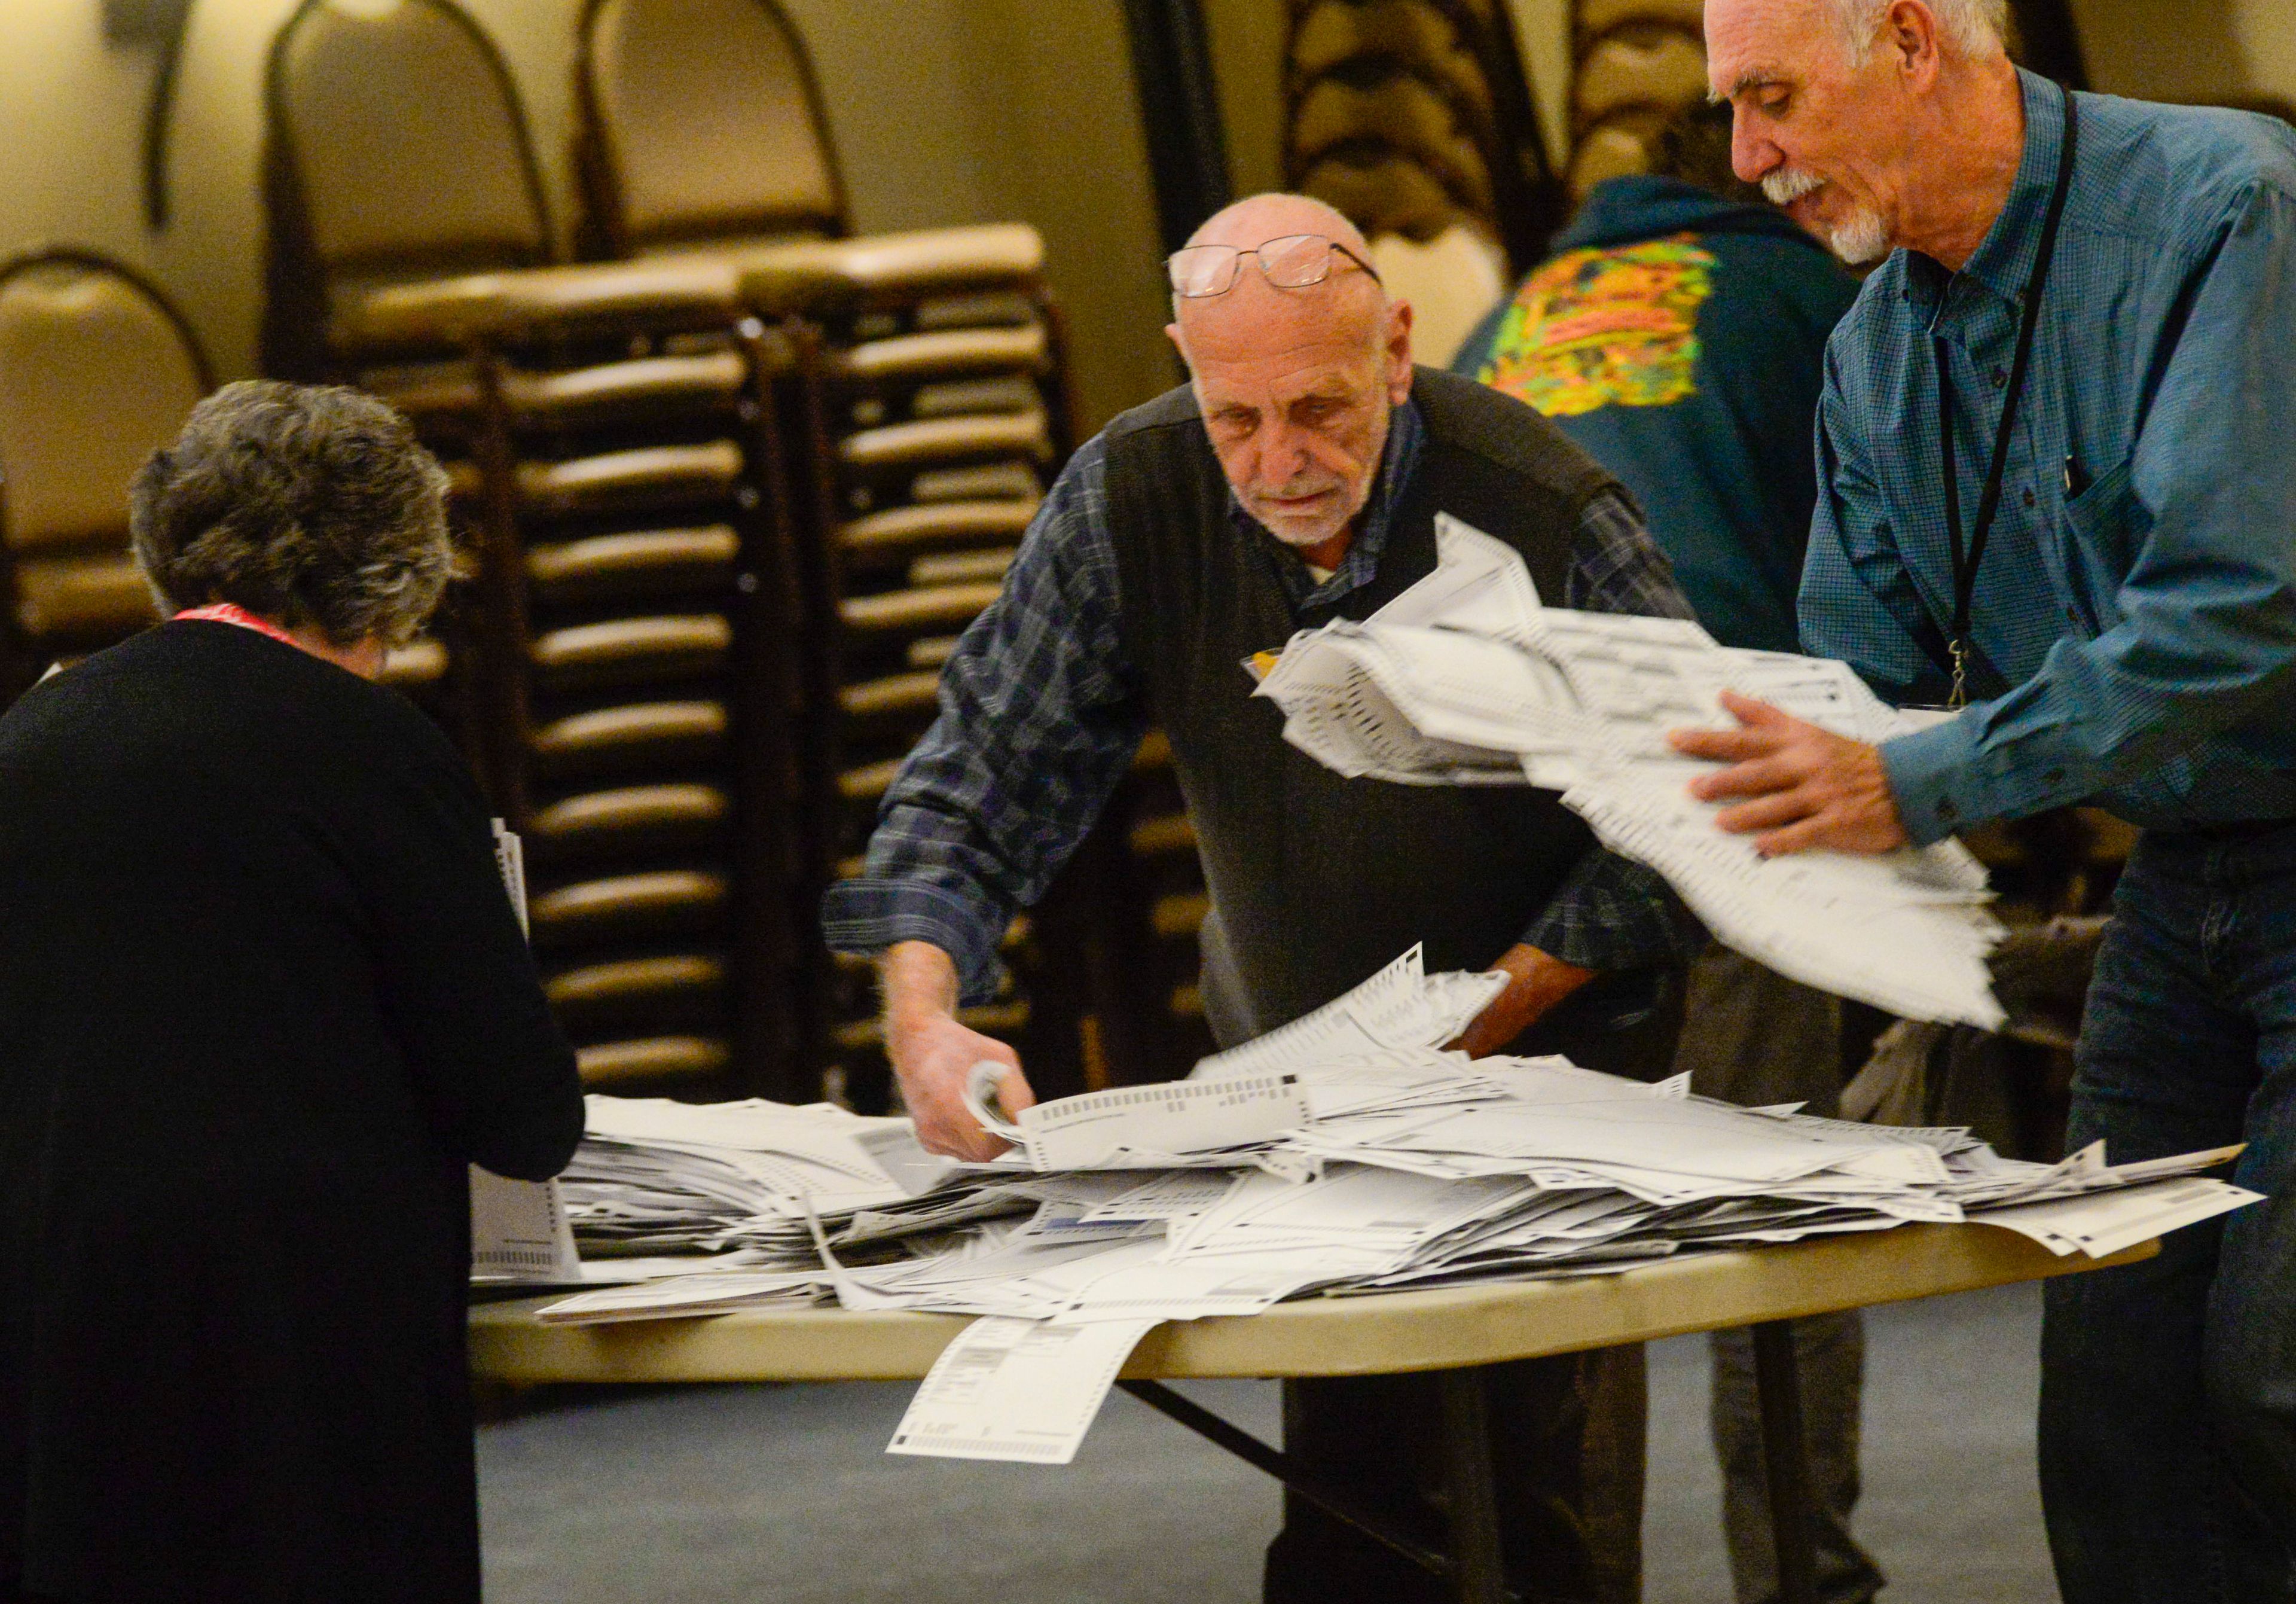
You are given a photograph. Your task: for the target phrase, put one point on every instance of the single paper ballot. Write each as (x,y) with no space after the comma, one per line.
(510,862)
(682,1296)
(519,1229)
(1400,1008)
(520,1232)
(1144,1127)
(2102,1223)
(1016,1389)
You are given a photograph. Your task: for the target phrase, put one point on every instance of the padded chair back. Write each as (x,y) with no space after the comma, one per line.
(97,370)
(405,139)
(704,124)
(1640,66)
(1600,16)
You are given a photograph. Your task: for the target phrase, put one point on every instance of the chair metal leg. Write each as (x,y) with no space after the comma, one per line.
(1471,1484)
(1786,1453)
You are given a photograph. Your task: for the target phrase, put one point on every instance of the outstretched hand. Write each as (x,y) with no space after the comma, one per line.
(1536,982)
(933,1058)
(1807,787)
(932,1055)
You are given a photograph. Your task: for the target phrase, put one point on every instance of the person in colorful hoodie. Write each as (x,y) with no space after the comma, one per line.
(1677,336)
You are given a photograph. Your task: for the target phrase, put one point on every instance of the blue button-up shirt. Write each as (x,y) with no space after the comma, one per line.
(1041,712)
(2136,609)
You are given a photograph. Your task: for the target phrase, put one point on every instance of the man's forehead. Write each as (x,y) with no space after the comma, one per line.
(1246,374)
(1255,323)
(1754,42)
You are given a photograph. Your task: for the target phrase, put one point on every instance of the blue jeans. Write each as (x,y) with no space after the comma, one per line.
(2167,1432)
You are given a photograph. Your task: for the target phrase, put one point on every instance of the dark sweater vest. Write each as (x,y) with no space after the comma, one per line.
(1316,881)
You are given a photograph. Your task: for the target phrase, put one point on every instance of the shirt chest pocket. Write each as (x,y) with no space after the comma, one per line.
(2105,527)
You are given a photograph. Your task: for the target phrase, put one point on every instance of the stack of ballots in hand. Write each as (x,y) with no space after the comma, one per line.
(1345,1154)
(1466,678)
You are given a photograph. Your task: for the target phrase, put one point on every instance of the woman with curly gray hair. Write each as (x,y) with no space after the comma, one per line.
(314,508)
(265,1002)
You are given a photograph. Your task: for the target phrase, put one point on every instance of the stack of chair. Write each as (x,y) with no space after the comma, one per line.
(922,410)
(1390,116)
(1637,62)
(97,370)
(731,495)
(633,602)
(1412,117)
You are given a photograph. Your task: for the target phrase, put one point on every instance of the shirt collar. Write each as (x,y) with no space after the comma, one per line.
(2005,258)
(1397,463)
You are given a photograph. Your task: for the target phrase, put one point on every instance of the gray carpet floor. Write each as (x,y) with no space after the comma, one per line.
(784,1493)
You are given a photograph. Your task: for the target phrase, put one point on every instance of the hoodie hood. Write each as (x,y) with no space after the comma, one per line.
(1643,206)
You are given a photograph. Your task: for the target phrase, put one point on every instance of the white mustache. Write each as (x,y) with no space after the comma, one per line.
(1297,490)
(1788,184)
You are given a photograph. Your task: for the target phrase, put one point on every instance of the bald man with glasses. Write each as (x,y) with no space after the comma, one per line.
(1296,479)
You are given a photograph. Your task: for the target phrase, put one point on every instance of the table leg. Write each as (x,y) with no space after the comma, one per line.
(1786,1453)
(1340,1505)
(1472,1488)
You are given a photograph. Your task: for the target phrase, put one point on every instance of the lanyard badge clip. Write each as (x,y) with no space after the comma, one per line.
(1967,556)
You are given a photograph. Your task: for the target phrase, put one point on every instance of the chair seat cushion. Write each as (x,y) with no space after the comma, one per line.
(821,277)
(651,1058)
(81,600)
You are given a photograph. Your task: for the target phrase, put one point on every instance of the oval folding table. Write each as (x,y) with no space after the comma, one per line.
(1454,1331)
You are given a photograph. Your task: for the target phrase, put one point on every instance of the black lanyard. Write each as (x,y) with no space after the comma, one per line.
(1965,561)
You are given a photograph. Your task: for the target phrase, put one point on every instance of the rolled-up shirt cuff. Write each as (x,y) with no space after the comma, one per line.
(866,916)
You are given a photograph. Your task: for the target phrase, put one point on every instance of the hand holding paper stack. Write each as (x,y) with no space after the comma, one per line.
(1466,678)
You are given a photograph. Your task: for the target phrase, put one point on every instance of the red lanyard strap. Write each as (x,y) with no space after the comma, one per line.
(1965,562)
(231,613)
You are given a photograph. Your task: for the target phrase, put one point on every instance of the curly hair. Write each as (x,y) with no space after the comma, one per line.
(313,507)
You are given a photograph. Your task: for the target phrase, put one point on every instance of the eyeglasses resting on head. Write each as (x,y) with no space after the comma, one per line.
(1293,261)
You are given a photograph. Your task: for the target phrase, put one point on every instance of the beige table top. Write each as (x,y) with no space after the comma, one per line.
(1379,1335)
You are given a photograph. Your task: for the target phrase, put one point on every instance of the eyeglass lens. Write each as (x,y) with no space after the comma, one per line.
(1291,262)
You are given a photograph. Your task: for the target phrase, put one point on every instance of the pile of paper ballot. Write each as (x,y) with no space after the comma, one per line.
(1344,1154)
(1466,678)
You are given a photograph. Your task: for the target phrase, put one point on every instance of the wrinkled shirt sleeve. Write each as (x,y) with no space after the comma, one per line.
(1040,714)
(2202,632)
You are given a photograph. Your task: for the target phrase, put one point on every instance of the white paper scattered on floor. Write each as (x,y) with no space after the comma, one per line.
(1467,680)
(1016,1389)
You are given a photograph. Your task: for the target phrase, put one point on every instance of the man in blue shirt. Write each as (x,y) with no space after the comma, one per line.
(1677,334)
(2100,556)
